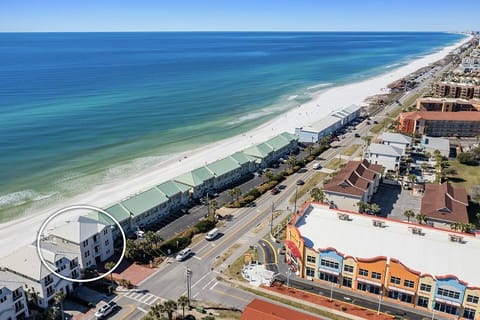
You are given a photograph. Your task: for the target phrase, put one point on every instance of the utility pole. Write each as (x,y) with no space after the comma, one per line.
(208,206)
(379,302)
(188,275)
(295,205)
(289,273)
(271,221)
(331,292)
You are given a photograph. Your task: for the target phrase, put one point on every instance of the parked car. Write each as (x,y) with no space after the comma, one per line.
(300,182)
(105,310)
(184,254)
(274,191)
(375,122)
(357,135)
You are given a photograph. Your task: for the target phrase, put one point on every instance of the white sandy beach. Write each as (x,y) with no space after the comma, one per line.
(23,231)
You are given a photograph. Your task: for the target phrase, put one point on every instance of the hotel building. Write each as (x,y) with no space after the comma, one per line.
(13,301)
(457,90)
(410,264)
(447,104)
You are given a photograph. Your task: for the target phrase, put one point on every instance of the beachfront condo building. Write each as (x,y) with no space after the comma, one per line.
(89,239)
(457,90)
(440,124)
(354,183)
(397,140)
(447,104)
(13,300)
(387,156)
(406,263)
(25,267)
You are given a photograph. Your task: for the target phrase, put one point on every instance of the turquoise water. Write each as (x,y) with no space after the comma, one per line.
(82,109)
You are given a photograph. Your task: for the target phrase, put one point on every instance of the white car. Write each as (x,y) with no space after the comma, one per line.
(184,254)
(105,310)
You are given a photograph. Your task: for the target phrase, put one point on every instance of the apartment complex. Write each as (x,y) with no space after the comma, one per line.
(411,264)
(90,240)
(447,104)
(13,300)
(384,155)
(25,267)
(443,203)
(356,182)
(440,124)
(457,90)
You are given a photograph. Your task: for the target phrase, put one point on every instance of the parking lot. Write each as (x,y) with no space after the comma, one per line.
(395,200)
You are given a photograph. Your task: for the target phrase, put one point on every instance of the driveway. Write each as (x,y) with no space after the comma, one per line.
(394,201)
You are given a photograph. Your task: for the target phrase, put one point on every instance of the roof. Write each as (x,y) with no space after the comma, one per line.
(79,230)
(261,150)
(281,141)
(242,158)
(195,177)
(223,166)
(25,261)
(445,116)
(289,136)
(321,228)
(435,143)
(354,178)
(171,188)
(444,202)
(144,201)
(384,149)
(117,211)
(10,281)
(322,124)
(261,309)
(396,138)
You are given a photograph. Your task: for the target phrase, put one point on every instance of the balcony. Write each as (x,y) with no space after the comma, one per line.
(48,281)
(19,307)
(16,296)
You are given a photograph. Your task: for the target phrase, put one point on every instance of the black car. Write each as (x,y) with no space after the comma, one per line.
(357,135)
(300,182)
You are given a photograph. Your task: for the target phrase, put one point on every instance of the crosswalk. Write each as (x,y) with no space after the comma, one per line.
(143,297)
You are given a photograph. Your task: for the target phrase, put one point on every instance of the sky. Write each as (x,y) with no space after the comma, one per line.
(238,15)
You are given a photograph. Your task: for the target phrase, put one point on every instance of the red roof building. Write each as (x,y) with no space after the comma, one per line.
(444,203)
(264,310)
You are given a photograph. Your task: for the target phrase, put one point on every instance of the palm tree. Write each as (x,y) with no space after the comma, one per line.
(170,306)
(374,208)
(292,162)
(310,149)
(58,304)
(455,226)
(412,178)
(409,214)
(237,192)
(317,194)
(269,175)
(109,266)
(231,193)
(362,206)
(131,250)
(214,207)
(183,302)
(421,218)
(156,311)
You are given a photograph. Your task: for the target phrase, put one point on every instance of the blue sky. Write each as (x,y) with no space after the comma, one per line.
(209,15)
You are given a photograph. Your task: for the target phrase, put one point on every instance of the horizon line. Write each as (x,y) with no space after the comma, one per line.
(253,31)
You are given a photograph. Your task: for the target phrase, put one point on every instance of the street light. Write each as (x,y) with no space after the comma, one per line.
(188,275)
(379,302)
(331,292)
(296,194)
(289,273)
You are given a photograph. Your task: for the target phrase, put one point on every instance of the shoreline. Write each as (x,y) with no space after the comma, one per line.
(23,230)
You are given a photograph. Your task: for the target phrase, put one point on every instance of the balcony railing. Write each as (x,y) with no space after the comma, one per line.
(16,296)
(48,281)
(19,307)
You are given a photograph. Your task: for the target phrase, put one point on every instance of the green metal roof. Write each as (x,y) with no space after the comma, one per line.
(289,136)
(171,188)
(195,177)
(223,166)
(118,212)
(278,142)
(242,158)
(261,150)
(144,201)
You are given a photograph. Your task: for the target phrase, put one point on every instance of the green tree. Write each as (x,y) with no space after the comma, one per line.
(109,266)
(291,161)
(409,214)
(310,149)
(269,175)
(412,178)
(317,195)
(456,226)
(213,209)
(237,192)
(421,218)
(231,193)
(170,306)
(362,206)
(132,251)
(374,208)
(182,302)
(57,307)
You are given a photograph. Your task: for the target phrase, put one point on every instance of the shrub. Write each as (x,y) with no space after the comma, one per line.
(467,158)
(205,225)
(255,193)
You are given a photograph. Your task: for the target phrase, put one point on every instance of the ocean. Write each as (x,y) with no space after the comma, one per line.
(84,109)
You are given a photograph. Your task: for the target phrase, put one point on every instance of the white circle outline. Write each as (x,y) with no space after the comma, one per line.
(45,223)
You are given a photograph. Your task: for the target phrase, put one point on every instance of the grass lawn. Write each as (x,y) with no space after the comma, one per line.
(309,185)
(235,270)
(351,149)
(334,164)
(466,176)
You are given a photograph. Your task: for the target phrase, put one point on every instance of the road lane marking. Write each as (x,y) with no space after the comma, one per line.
(273,250)
(231,295)
(141,309)
(214,285)
(205,275)
(208,284)
(132,309)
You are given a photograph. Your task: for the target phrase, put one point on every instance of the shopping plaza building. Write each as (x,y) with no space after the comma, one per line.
(412,264)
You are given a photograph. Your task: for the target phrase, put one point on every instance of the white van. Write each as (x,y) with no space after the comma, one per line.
(316,166)
(184,254)
(212,234)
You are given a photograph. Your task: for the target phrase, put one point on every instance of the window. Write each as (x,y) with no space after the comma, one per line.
(50,291)
(376,275)
(469,313)
(107,242)
(422,302)
(425,287)
(85,243)
(327,277)
(87,253)
(472,299)
(368,288)
(394,280)
(310,272)
(408,283)
(445,308)
(105,231)
(329,264)
(448,293)
(399,296)
(363,272)
(348,268)
(311,259)
(347,282)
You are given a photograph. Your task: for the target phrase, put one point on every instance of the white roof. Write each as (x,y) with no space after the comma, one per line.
(396,138)
(321,228)
(384,149)
(25,261)
(10,280)
(79,230)
(436,143)
(322,124)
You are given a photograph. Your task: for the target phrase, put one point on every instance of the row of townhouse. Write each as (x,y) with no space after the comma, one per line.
(152,205)
(328,125)
(410,264)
